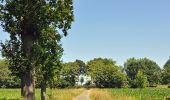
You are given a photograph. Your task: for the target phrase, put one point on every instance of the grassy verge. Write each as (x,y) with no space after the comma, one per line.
(130,94)
(54,94)
(106,94)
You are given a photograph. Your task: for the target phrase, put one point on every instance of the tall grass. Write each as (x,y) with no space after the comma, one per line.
(130,94)
(54,94)
(64,94)
(105,94)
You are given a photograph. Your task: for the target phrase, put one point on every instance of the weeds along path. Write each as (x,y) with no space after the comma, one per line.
(84,95)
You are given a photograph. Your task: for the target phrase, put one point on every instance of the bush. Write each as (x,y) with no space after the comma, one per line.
(140,81)
(106,74)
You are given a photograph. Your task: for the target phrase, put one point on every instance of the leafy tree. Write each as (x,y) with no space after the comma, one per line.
(147,66)
(4,73)
(140,80)
(82,66)
(48,53)
(26,25)
(166,73)
(131,67)
(152,71)
(68,74)
(167,64)
(105,73)
(6,79)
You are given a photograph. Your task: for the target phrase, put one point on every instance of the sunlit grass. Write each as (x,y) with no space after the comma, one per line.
(54,94)
(106,94)
(130,94)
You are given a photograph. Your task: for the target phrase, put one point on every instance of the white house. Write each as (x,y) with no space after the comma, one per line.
(86,78)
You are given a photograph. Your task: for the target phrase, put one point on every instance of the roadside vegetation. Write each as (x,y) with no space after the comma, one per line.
(130,94)
(52,94)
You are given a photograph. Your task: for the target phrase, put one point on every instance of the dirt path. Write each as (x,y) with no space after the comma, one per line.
(84,95)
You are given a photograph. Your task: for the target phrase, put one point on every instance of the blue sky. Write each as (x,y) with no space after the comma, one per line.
(118,29)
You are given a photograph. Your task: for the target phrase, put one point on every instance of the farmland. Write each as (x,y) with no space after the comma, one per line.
(130,94)
(95,94)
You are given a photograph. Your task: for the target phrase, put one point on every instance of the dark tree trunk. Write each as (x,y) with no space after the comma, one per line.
(29,87)
(28,80)
(22,86)
(43,91)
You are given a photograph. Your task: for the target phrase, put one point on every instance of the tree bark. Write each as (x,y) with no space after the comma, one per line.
(43,91)
(28,82)
(22,86)
(29,87)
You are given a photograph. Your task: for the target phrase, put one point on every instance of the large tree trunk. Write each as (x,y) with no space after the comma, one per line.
(29,87)
(25,83)
(43,91)
(28,82)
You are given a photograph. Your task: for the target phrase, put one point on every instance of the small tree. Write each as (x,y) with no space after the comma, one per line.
(68,75)
(140,80)
(105,73)
(147,66)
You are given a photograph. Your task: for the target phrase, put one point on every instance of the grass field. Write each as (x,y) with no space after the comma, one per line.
(130,94)
(55,94)
(95,94)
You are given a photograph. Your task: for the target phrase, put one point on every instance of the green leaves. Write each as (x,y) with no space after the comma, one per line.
(105,73)
(148,67)
(166,73)
(34,42)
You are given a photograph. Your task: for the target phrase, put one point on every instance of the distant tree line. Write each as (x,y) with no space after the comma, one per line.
(104,73)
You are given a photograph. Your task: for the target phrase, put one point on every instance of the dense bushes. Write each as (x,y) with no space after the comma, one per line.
(166,73)
(140,81)
(6,79)
(105,73)
(148,67)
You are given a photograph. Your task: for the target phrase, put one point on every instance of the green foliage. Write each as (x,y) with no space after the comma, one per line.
(105,73)
(6,79)
(34,39)
(82,67)
(140,80)
(48,52)
(28,24)
(148,67)
(68,75)
(166,73)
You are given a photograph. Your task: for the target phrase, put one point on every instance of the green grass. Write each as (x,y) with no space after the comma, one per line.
(130,94)
(55,94)
(142,94)
(96,94)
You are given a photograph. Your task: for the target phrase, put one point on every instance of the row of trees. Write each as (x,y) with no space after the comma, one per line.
(136,73)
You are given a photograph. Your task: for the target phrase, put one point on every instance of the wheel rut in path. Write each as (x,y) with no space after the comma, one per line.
(84,95)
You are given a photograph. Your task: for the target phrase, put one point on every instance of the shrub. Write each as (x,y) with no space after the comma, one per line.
(140,81)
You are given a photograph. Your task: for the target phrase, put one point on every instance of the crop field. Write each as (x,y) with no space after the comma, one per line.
(95,94)
(131,94)
(55,94)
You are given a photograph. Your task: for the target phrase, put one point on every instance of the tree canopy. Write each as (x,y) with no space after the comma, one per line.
(32,23)
(148,67)
(105,73)
(166,72)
